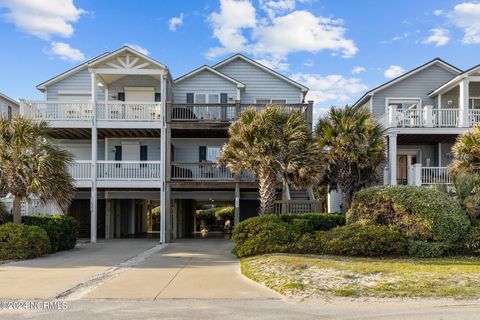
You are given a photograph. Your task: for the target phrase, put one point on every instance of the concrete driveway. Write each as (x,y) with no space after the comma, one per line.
(199,269)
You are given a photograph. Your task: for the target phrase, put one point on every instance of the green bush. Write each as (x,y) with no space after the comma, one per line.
(360,239)
(282,233)
(19,241)
(225,213)
(62,230)
(419,213)
(472,241)
(5,215)
(424,249)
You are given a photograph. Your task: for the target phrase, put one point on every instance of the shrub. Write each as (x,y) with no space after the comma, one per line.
(5,215)
(224,213)
(424,249)
(472,241)
(62,230)
(360,239)
(419,213)
(282,233)
(19,241)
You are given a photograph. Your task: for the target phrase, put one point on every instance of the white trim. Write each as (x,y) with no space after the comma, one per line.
(261,66)
(270,99)
(216,72)
(121,50)
(387,99)
(130,71)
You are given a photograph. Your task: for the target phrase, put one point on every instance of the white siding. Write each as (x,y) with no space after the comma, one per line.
(204,82)
(259,83)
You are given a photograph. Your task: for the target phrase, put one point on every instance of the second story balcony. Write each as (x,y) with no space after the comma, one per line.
(429,117)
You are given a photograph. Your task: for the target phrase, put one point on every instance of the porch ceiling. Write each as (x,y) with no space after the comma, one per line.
(86,133)
(199,133)
(425,138)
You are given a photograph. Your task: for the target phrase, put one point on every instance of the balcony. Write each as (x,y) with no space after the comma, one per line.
(189,112)
(429,118)
(70,114)
(426,176)
(206,172)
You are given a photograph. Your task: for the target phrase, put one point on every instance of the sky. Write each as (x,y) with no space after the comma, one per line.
(339,49)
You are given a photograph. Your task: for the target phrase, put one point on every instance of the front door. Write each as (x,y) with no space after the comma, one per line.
(403,162)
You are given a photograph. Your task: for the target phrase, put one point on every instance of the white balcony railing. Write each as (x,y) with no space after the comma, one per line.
(128,111)
(128,170)
(62,111)
(422,118)
(71,111)
(203,112)
(424,176)
(474,116)
(81,170)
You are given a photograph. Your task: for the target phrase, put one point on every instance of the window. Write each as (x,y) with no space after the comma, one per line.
(404,104)
(474,103)
(213,153)
(200,98)
(270,101)
(9,113)
(214,98)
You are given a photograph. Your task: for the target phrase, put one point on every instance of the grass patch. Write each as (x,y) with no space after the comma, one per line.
(309,275)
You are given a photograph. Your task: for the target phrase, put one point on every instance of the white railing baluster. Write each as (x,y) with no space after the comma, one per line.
(435,175)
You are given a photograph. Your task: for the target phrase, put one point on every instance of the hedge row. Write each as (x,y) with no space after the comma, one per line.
(19,241)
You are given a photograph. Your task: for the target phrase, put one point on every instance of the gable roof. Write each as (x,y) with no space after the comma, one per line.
(98,59)
(15,102)
(452,81)
(447,66)
(208,68)
(260,66)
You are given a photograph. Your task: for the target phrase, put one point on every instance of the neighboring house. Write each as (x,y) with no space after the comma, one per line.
(423,111)
(142,140)
(8,106)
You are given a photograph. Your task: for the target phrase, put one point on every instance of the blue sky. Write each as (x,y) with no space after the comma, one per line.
(339,49)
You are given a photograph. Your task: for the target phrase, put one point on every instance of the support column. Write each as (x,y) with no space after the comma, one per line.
(236,217)
(93,196)
(464,120)
(131,218)
(163,170)
(118,218)
(108,218)
(392,157)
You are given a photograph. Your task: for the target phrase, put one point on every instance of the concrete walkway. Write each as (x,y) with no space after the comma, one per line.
(199,269)
(49,276)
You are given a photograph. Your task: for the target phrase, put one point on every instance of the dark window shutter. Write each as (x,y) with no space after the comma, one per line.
(189,97)
(121,96)
(223,98)
(118,153)
(157,97)
(143,153)
(202,154)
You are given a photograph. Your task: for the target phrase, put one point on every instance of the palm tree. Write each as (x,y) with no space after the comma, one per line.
(271,143)
(354,149)
(30,165)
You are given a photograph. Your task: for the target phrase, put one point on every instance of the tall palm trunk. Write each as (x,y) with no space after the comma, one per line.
(267,189)
(17,210)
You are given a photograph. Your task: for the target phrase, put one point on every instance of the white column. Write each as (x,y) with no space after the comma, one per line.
(392,116)
(93,196)
(236,217)
(163,184)
(428,114)
(439,101)
(464,120)
(392,157)
(439,154)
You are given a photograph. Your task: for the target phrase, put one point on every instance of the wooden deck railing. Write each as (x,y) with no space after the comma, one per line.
(297,206)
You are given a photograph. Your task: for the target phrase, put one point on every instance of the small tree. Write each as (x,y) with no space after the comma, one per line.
(465,169)
(272,143)
(354,149)
(30,165)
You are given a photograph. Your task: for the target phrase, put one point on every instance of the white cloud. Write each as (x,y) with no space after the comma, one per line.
(274,63)
(309,63)
(437,13)
(358,69)
(239,27)
(439,37)
(335,88)
(138,48)
(175,22)
(393,71)
(466,16)
(43,19)
(396,38)
(65,52)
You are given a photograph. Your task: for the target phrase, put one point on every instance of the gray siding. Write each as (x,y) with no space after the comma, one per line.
(133,81)
(187,150)
(153,147)
(418,85)
(426,152)
(79,81)
(204,82)
(259,83)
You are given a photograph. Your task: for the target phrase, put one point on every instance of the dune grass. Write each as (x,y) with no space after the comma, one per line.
(308,275)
